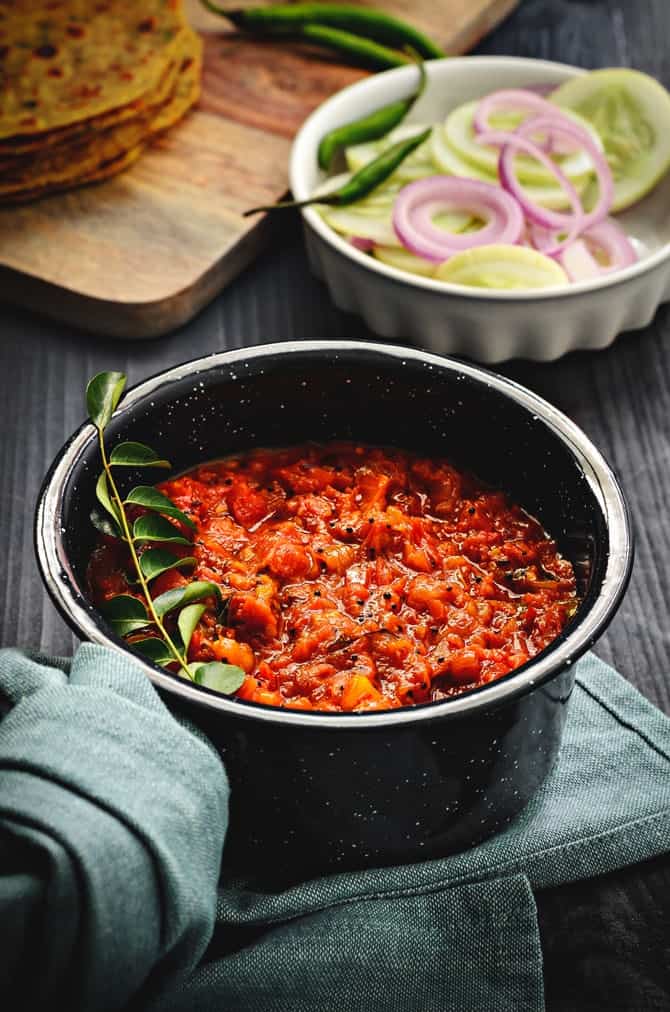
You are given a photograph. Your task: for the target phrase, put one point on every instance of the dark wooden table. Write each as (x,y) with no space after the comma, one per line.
(621,397)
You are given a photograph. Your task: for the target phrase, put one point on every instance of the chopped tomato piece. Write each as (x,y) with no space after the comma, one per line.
(250,612)
(357,689)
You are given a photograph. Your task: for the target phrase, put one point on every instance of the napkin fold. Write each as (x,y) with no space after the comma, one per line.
(112,818)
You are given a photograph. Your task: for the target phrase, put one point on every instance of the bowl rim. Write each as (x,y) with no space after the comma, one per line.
(305,145)
(84,619)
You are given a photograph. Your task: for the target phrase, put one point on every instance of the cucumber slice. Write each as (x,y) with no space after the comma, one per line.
(367,223)
(403,260)
(459,132)
(630,111)
(332,183)
(417,165)
(450,162)
(374,220)
(503,267)
(456,221)
(383,196)
(370,218)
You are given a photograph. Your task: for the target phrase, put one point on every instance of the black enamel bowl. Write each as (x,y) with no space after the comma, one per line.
(332,791)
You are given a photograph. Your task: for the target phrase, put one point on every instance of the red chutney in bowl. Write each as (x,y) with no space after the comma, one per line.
(359,578)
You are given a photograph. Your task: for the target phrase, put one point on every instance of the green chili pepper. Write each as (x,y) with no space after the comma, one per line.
(359,50)
(369,128)
(362,182)
(285,19)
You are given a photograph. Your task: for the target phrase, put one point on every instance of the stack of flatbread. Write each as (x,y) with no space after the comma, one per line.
(85,85)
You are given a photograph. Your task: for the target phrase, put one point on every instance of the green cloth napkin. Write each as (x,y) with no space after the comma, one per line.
(112,820)
(111,825)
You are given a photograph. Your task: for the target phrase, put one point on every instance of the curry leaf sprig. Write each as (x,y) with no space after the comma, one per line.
(145,617)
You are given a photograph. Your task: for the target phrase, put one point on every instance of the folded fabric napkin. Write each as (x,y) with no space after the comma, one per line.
(112,818)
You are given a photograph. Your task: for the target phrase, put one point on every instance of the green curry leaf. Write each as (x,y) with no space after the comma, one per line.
(155,650)
(105,499)
(181,596)
(223,678)
(103,393)
(152,527)
(136,455)
(188,620)
(152,499)
(126,614)
(155,561)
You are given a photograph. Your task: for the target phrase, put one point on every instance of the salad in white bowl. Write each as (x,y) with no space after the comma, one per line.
(517,189)
(531,182)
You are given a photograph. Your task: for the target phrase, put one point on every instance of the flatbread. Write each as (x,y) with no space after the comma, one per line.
(117,165)
(186,93)
(104,155)
(66,161)
(24,144)
(63,61)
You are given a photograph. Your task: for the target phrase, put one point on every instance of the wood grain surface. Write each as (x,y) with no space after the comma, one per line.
(141,253)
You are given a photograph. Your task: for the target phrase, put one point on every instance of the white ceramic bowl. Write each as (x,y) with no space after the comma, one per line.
(487,326)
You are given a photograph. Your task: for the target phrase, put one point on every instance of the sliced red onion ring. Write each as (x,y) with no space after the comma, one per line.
(361,243)
(525,239)
(556,219)
(418,203)
(522,100)
(573,223)
(578,221)
(512,100)
(578,263)
(607,236)
(541,88)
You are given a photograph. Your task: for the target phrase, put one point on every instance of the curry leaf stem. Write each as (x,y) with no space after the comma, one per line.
(178,656)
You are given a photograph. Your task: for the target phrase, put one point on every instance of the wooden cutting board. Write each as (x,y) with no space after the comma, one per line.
(140,254)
